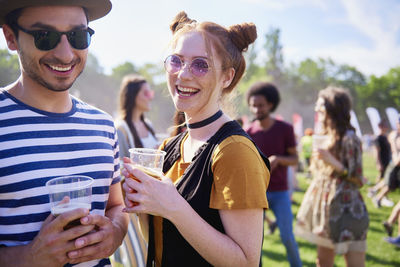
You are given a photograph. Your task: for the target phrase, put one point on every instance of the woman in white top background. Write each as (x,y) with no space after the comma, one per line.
(134,130)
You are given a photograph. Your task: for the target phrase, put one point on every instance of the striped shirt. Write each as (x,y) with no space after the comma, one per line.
(36,146)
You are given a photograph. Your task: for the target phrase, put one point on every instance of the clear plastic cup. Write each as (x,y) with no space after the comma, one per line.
(149,160)
(319,141)
(67,193)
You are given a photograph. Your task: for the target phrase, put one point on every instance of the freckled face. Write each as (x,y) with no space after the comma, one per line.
(56,69)
(191,94)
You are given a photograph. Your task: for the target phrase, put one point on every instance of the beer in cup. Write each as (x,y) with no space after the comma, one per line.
(67,193)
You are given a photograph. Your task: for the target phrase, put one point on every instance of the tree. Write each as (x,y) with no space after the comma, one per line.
(251,66)
(254,73)
(121,70)
(95,87)
(9,67)
(93,65)
(394,86)
(274,64)
(381,92)
(302,82)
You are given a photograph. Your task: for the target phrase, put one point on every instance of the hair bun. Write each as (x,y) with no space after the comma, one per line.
(179,21)
(242,35)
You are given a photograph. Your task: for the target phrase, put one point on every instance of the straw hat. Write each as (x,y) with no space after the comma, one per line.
(95,8)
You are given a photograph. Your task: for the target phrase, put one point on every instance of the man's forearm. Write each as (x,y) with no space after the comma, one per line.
(288,160)
(120,221)
(15,256)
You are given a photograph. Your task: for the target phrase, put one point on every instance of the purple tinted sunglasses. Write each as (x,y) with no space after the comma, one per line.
(198,67)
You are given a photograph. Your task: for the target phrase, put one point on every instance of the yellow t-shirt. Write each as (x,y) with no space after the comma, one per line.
(240,180)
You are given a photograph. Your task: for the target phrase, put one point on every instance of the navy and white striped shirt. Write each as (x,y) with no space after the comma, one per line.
(36,146)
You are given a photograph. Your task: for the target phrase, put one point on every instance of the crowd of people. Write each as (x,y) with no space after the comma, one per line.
(387,151)
(220,176)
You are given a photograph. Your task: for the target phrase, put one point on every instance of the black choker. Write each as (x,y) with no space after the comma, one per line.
(206,121)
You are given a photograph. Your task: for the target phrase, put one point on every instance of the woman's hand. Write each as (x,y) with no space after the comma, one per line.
(323,154)
(145,194)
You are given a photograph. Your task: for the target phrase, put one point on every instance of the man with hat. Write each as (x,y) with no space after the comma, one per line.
(45,133)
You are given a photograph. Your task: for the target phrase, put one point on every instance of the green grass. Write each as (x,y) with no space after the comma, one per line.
(379,253)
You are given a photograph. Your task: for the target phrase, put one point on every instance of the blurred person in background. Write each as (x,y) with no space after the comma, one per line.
(134,130)
(276,139)
(383,156)
(207,210)
(332,214)
(391,180)
(388,225)
(383,152)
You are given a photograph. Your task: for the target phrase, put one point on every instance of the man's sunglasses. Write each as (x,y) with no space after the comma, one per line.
(48,39)
(198,67)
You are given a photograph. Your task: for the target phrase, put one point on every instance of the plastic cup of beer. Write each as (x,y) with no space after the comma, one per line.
(319,141)
(148,160)
(67,193)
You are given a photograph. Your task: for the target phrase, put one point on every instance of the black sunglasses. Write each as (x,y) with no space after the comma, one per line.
(48,39)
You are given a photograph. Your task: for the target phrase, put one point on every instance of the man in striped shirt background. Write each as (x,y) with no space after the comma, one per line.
(46,133)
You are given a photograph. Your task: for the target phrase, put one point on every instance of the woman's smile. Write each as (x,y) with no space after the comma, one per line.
(186,91)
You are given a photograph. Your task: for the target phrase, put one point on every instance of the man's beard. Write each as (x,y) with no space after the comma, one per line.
(32,71)
(47,85)
(262,116)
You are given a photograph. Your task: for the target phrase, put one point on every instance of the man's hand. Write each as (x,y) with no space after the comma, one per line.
(326,156)
(100,243)
(274,162)
(51,245)
(109,232)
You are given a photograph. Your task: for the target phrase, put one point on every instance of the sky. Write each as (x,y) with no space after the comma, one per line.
(360,33)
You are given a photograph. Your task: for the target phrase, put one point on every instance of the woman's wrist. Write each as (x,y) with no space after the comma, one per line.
(341,170)
(180,211)
(344,172)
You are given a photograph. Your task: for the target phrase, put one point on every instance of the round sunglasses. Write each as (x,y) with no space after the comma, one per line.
(198,67)
(46,40)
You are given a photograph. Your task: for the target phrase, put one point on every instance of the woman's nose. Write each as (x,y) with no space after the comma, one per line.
(184,72)
(149,94)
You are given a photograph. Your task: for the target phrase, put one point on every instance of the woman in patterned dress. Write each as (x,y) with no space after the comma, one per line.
(333,214)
